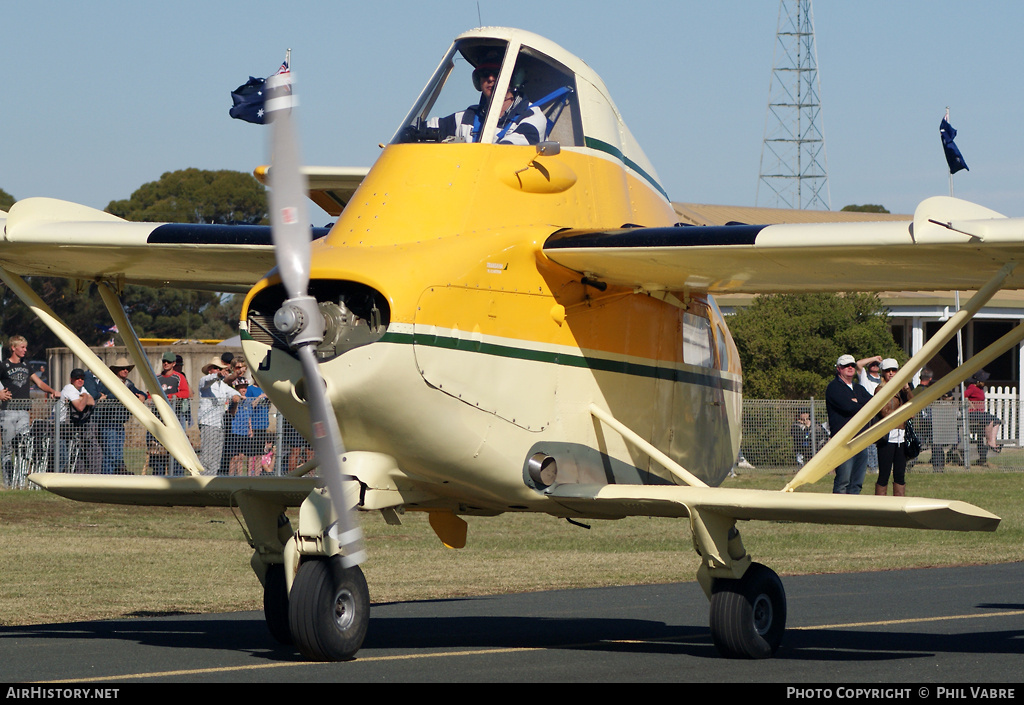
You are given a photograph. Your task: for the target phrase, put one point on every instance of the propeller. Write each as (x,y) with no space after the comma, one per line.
(299,318)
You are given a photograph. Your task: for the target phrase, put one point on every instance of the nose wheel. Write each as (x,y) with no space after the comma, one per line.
(328,609)
(748,615)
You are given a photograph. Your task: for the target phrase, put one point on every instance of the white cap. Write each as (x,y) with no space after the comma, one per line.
(845,360)
(890,364)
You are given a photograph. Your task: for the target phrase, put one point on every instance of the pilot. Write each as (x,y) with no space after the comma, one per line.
(520,123)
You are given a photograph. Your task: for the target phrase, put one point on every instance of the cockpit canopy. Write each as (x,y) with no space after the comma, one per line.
(531,97)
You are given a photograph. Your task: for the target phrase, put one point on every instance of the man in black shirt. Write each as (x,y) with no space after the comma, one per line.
(15,375)
(844,397)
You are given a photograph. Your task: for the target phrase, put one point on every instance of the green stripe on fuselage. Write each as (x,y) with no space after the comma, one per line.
(707,379)
(617,153)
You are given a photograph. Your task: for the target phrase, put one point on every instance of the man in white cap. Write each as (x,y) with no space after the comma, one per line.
(844,397)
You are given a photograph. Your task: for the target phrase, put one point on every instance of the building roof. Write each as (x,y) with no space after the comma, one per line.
(707,214)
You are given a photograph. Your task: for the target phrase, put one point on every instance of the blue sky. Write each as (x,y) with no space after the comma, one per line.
(103,97)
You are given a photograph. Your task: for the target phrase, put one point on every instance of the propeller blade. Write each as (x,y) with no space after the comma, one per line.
(289,215)
(299,318)
(327,445)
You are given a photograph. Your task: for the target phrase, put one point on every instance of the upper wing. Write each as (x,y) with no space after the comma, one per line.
(950,244)
(47,237)
(330,187)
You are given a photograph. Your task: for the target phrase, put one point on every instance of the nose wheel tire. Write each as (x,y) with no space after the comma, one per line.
(748,616)
(328,610)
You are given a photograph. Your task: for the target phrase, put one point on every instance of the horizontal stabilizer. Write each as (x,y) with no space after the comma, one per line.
(610,501)
(330,187)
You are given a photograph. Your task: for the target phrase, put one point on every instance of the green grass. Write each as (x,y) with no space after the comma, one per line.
(66,561)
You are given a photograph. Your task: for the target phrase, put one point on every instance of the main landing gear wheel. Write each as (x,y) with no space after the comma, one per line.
(328,609)
(748,616)
(275,604)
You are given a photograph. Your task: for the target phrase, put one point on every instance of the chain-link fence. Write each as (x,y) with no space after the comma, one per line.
(782,435)
(37,437)
(778,436)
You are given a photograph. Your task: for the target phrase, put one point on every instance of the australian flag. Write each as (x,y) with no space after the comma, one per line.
(249,101)
(953,157)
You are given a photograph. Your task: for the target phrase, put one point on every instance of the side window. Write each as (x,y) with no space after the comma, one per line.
(454,103)
(538,102)
(550,88)
(697,348)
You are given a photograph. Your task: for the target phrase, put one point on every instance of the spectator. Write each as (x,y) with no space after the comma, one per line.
(74,417)
(231,447)
(844,397)
(891,457)
(110,416)
(215,396)
(250,428)
(295,450)
(15,375)
(808,438)
(981,423)
(869,378)
(240,443)
(176,391)
(932,422)
(186,418)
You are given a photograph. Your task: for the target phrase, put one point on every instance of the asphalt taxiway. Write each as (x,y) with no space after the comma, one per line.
(938,625)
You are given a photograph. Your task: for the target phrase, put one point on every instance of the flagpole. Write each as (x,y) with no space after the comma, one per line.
(951,172)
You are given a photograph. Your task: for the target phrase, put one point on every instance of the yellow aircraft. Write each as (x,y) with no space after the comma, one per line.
(505,318)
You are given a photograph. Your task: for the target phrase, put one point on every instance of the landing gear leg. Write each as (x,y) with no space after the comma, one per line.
(748,615)
(275,604)
(328,609)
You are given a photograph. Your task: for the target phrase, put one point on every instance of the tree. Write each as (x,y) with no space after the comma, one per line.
(187,196)
(6,200)
(789,343)
(866,208)
(197,196)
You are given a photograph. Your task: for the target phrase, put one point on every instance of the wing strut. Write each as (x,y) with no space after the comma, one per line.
(169,432)
(652,452)
(846,443)
(138,355)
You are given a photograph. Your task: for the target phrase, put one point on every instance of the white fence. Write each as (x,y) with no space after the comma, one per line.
(1005,403)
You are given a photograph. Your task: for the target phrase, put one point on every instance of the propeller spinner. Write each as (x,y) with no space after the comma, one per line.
(299,318)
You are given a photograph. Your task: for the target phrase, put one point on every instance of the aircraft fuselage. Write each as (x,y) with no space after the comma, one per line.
(492,353)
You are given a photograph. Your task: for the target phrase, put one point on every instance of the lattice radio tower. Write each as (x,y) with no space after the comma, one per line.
(794,170)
